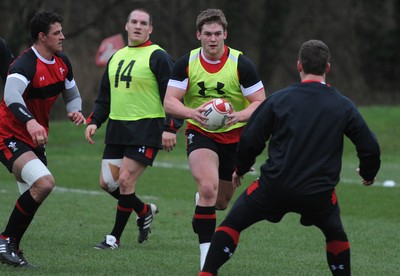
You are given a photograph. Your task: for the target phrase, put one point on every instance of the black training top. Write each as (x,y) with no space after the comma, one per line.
(305,124)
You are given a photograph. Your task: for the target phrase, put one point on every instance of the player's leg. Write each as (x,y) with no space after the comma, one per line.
(129,174)
(225,194)
(136,160)
(31,171)
(109,181)
(226,155)
(337,243)
(204,163)
(226,236)
(109,176)
(204,167)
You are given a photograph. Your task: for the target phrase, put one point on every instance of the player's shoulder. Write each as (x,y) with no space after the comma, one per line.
(183,61)
(159,52)
(25,63)
(245,62)
(62,56)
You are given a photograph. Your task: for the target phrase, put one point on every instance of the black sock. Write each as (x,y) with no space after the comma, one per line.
(204,222)
(338,257)
(222,247)
(139,206)
(124,211)
(115,194)
(21,217)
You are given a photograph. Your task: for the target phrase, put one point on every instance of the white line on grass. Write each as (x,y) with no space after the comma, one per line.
(171,165)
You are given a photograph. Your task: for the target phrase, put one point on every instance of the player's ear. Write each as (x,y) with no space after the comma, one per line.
(327,68)
(299,66)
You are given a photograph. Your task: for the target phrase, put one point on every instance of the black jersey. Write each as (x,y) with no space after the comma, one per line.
(305,125)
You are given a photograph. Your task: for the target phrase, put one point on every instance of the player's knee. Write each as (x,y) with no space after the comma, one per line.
(109,186)
(110,175)
(36,173)
(42,188)
(46,184)
(208,192)
(124,177)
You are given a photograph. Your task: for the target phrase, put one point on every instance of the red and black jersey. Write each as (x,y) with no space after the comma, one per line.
(45,81)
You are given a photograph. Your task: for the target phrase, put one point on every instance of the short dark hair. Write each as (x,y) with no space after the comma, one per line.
(211,16)
(314,56)
(142,10)
(41,21)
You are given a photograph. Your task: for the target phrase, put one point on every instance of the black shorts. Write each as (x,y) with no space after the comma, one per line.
(142,154)
(15,148)
(256,204)
(274,205)
(226,152)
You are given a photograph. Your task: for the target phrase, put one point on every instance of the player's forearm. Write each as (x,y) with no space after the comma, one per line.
(72,99)
(176,108)
(13,90)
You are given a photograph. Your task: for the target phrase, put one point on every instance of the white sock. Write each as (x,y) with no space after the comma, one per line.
(203,253)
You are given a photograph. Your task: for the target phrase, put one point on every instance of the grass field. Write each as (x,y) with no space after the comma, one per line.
(78,215)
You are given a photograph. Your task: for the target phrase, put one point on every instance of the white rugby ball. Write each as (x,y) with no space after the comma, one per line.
(216,112)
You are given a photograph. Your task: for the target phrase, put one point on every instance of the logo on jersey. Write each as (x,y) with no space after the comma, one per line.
(203,88)
(13,146)
(62,71)
(41,78)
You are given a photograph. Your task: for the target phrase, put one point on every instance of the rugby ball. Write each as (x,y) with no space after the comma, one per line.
(216,112)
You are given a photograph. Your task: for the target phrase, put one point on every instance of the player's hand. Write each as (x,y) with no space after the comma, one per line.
(232,118)
(89,133)
(365,182)
(38,133)
(77,117)
(236,180)
(168,140)
(198,116)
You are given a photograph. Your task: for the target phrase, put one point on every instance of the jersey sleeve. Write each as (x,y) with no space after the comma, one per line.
(253,139)
(101,108)
(366,143)
(179,72)
(249,78)
(161,65)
